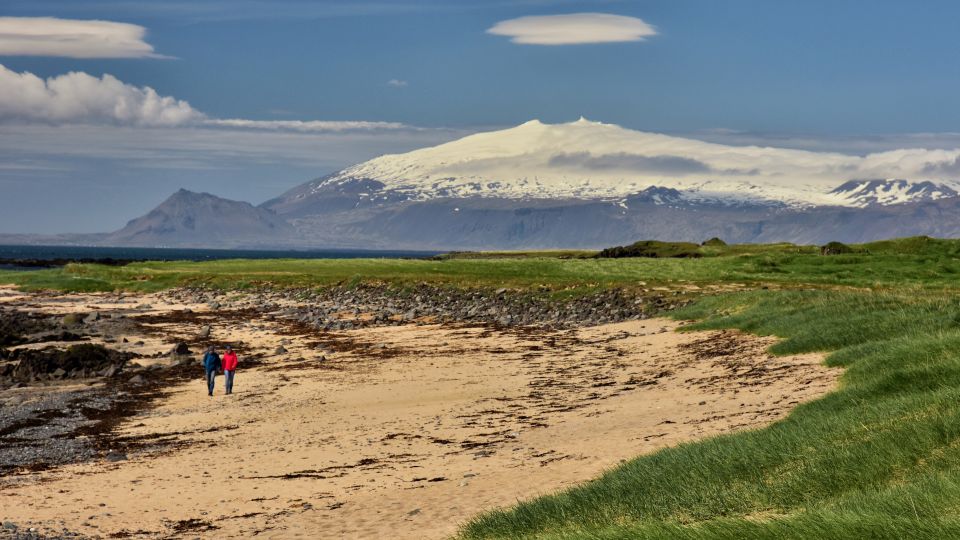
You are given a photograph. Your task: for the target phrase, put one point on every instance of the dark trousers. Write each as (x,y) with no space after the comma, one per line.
(228,380)
(211,377)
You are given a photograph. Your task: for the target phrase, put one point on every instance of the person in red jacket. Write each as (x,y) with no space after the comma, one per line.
(229,367)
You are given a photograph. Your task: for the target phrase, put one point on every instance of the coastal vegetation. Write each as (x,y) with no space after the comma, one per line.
(918,262)
(879,457)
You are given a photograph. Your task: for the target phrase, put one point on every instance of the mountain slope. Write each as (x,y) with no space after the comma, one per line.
(886,192)
(200,219)
(595,161)
(588,184)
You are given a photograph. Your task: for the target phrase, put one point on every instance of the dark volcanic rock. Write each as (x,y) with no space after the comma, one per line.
(16,326)
(342,308)
(84,360)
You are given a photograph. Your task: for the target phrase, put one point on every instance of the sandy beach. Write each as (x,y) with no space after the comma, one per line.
(401,431)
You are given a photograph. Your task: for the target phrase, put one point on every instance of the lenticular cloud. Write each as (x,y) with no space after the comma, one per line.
(573,29)
(50,36)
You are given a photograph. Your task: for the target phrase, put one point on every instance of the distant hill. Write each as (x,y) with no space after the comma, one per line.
(187,218)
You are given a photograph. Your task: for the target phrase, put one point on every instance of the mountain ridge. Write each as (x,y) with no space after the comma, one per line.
(581,184)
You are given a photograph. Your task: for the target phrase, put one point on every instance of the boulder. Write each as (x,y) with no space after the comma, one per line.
(280,350)
(92,318)
(205,332)
(116,456)
(53,363)
(180,349)
(73,319)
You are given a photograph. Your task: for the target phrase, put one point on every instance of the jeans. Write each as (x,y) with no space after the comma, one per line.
(211,377)
(228,373)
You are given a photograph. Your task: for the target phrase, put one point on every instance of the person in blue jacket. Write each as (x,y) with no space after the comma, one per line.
(211,363)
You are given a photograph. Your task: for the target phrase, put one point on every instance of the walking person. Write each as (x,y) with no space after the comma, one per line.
(211,363)
(229,368)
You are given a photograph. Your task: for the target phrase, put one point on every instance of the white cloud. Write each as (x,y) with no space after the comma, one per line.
(307,125)
(205,148)
(396,82)
(573,29)
(80,97)
(50,36)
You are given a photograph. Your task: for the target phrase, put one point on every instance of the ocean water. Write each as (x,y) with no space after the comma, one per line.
(10,254)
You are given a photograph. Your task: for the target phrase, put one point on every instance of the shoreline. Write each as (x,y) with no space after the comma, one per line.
(405,427)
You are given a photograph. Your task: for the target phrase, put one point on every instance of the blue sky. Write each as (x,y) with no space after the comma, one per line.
(822,74)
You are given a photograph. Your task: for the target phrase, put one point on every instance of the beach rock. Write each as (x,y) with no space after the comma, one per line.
(280,350)
(77,360)
(180,349)
(116,456)
(137,379)
(109,371)
(92,318)
(205,332)
(63,335)
(73,319)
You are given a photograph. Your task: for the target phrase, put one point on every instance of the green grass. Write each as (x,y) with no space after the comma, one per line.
(878,458)
(917,262)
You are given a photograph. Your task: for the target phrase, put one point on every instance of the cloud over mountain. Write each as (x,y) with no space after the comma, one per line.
(665,164)
(50,36)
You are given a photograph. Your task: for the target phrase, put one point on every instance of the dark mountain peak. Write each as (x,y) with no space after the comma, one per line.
(657,195)
(202,219)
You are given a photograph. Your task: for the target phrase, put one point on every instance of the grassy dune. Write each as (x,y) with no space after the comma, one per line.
(879,458)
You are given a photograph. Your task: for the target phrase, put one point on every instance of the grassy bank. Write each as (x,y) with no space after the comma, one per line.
(879,458)
(917,262)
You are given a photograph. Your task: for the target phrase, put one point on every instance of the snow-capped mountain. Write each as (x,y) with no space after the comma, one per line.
(583,185)
(862,193)
(587,160)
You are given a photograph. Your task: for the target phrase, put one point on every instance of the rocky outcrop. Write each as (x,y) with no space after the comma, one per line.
(342,308)
(78,361)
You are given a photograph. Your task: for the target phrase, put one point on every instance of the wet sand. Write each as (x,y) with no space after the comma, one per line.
(399,431)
